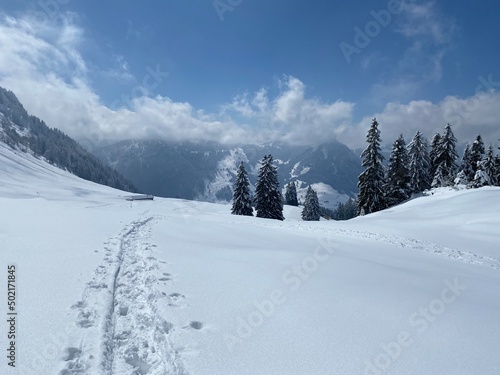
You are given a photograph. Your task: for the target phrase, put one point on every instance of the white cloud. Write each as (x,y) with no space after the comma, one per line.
(120,71)
(429,36)
(468,116)
(372,59)
(291,116)
(423,20)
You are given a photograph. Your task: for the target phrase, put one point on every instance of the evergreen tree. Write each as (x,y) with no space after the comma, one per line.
(486,171)
(291,194)
(371,181)
(345,211)
(466,171)
(436,140)
(242,202)
(440,177)
(420,164)
(398,187)
(311,210)
(490,166)
(476,155)
(445,159)
(461,179)
(268,198)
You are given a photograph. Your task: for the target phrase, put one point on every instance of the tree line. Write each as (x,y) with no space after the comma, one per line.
(411,169)
(417,167)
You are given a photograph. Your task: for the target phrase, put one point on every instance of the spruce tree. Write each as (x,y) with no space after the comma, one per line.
(486,171)
(349,209)
(345,211)
(291,194)
(446,158)
(440,177)
(466,171)
(420,164)
(311,210)
(436,140)
(268,198)
(398,187)
(476,154)
(371,181)
(490,166)
(242,202)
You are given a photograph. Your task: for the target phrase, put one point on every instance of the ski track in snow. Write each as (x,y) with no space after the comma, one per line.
(121,304)
(402,242)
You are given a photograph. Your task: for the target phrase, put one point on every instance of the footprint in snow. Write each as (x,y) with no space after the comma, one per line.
(176,299)
(86,318)
(75,363)
(196,325)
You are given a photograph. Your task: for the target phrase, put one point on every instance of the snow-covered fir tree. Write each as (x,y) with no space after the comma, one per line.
(311,210)
(291,194)
(466,173)
(476,155)
(490,166)
(420,164)
(461,179)
(345,211)
(436,140)
(445,159)
(371,182)
(441,177)
(398,187)
(268,198)
(486,171)
(242,202)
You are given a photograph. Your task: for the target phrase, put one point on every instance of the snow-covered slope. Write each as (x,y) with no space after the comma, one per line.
(106,286)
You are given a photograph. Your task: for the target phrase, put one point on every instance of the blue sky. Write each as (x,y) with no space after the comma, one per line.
(241,70)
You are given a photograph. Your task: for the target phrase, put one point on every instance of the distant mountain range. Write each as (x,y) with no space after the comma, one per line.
(28,133)
(206,171)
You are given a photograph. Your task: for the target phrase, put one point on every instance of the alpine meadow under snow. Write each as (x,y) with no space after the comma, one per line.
(108,286)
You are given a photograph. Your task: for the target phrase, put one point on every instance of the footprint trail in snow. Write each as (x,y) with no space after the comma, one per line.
(120,307)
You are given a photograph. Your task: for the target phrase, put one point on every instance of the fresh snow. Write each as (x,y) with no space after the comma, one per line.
(107,286)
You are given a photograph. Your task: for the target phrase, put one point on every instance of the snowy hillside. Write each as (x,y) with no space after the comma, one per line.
(107,286)
(22,131)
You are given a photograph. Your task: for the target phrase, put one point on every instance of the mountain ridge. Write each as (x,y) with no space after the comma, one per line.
(206,170)
(27,133)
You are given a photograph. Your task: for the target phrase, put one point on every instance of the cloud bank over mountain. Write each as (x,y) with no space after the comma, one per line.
(44,64)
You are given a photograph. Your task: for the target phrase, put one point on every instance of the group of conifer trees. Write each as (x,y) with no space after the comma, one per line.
(415,168)
(268,200)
